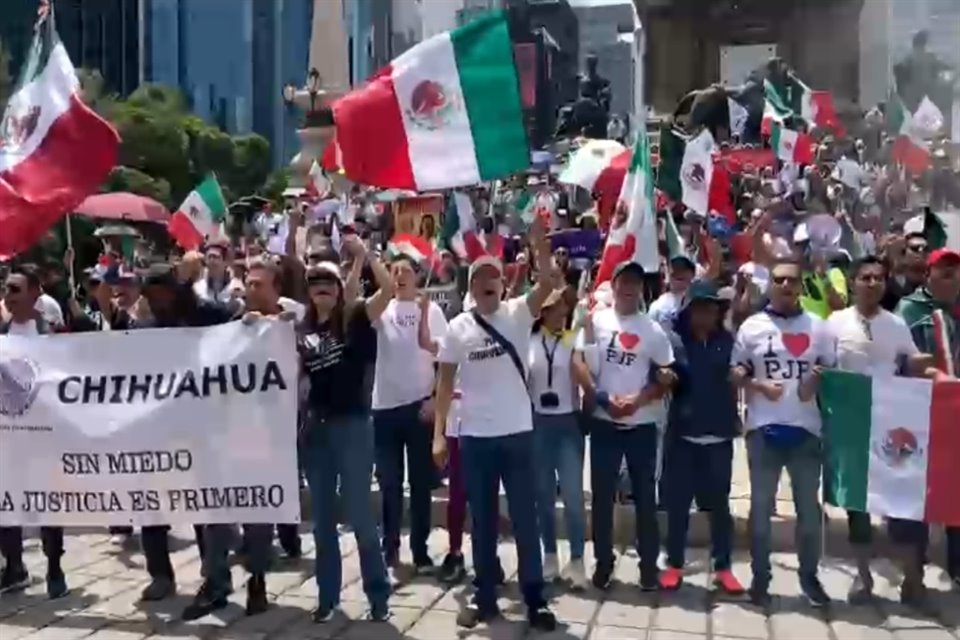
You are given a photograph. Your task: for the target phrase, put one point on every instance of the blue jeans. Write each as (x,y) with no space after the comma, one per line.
(487,462)
(609,444)
(340,450)
(395,431)
(257,553)
(558,454)
(803,462)
(703,470)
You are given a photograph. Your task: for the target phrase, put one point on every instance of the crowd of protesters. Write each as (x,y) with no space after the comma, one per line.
(511,389)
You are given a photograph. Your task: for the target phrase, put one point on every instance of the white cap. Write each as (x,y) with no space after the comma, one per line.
(484,261)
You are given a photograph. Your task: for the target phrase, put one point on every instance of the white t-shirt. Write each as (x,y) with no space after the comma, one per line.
(495,398)
(403,373)
(562,351)
(784,350)
(626,347)
(28,328)
(873,346)
(50,310)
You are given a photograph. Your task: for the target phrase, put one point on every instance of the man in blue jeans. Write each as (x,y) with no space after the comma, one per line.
(618,349)
(483,347)
(777,357)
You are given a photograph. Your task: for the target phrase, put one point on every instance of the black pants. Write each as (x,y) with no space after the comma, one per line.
(908,532)
(156,549)
(859,529)
(11,544)
(289,535)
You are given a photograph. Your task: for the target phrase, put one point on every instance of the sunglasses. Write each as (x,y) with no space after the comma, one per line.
(13,288)
(917,248)
(321,279)
(782,280)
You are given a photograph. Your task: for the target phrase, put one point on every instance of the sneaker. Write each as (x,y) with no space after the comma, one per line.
(576,574)
(452,570)
(472,615)
(322,615)
(724,580)
(424,566)
(759,595)
(379,613)
(602,576)
(649,581)
(671,578)
(204,603)
(158,589)
(813,591)
(551,567)
(56,584)
(861,591)
(256,595)
(14,578)
(542,619)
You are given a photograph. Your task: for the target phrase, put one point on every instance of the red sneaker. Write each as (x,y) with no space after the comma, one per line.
(728,583)
(670,579)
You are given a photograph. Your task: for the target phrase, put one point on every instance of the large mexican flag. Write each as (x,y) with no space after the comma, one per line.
(893,445)
(54,150)
(446,113)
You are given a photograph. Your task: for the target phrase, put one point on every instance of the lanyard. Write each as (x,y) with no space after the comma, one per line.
(549,355)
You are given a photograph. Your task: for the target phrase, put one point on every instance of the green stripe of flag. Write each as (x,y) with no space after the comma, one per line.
(846,427)
(209,192)
(488,78)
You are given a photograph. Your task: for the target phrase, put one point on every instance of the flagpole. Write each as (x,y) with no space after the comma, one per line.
(70,267)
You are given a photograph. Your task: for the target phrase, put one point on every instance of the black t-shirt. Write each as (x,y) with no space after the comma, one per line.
(336,366)
(894,292)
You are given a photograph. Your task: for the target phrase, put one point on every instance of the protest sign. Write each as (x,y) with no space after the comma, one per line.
(157,426)
(579,243)
(447,297)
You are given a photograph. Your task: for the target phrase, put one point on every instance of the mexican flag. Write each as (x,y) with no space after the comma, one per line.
(460,234)
(688,174)
(795,97)
(446,113)
(909,148)
(54,150)
(790,145)
(892,445)
(407,244)
(633,231)
(200,215)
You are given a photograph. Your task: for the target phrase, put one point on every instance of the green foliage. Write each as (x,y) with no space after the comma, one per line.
(166,151)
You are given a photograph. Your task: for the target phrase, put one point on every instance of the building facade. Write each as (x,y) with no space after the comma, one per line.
(235,80)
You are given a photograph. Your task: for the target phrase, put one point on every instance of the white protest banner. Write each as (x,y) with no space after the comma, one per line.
(148,427)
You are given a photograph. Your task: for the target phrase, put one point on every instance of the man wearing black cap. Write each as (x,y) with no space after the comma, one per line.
(619,347)
(172,304)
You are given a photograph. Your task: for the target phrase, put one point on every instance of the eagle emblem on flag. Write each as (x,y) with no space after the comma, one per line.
(17,128)
(432,105)
(898,446)
(18,386)
(695,176)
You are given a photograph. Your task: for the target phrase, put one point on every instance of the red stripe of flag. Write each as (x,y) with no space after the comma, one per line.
(943,452)
(371,136)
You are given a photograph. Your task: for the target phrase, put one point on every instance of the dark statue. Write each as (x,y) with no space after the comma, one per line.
(921,73)
(589,113)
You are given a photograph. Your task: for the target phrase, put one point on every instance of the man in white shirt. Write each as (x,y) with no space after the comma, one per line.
(484,347)
(664,309)
(619,347)
(403,412)
(777,357)
(46,305)
(872,341)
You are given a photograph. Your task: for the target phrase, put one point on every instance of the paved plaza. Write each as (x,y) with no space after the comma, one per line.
(106,580)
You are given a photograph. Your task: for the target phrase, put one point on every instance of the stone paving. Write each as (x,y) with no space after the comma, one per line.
(106,580)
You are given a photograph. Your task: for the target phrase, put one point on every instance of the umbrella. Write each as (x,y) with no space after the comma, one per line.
(590,163)
(127,207)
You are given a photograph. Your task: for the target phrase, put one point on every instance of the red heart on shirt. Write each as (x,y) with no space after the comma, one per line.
(796,343)
(629,340)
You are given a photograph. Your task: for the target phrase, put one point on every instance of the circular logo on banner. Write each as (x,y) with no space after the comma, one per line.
(899,446)
(18,385)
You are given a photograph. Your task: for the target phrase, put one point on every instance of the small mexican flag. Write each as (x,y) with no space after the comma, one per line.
(407,244)
(200,215)
(446,113)
(790,145)
(892,445)
(909,149)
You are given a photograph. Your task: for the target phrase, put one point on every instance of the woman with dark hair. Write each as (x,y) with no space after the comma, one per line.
(337,344)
